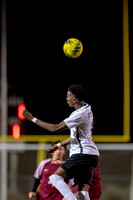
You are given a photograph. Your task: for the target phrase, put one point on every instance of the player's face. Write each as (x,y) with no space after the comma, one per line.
(70,99)
(59,153)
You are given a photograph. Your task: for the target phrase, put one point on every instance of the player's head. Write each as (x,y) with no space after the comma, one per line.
(59,153)
(75,93)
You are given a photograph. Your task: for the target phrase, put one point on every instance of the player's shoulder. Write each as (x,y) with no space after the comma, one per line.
(44,162)
(76,114)
(83,109)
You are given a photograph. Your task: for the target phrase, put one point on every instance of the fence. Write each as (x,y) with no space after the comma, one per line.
(18,162)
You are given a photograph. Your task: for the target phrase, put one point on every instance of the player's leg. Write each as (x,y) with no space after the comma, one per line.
(83,193)
(89,162)
(57,179)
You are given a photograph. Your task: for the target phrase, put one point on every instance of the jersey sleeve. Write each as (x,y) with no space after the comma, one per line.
(73,120)
(39,169)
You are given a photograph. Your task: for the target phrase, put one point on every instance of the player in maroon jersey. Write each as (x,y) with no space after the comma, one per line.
(45,169)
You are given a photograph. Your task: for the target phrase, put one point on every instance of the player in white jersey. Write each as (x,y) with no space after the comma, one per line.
(80,123)
(84,155)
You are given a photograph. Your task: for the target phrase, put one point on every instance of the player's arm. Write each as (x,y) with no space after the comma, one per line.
(53,148)
(34,188)
(45,125)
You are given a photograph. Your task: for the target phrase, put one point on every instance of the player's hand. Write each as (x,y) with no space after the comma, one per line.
(31,194)
(53,148)
(27,115)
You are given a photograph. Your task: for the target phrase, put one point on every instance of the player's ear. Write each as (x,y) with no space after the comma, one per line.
(75,100)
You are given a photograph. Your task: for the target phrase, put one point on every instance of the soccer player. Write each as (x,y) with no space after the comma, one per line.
(41,176)
(84,155)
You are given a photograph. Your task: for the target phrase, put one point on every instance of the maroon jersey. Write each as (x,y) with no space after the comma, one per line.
(95,189)
(46,190)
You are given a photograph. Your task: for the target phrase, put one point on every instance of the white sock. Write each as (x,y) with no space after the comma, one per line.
(83,195)
(59,183)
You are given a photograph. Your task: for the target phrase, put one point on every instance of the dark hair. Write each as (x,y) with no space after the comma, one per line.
(56,142)
(78,91)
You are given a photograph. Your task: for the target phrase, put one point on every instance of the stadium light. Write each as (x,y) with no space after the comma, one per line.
(16,131)
(21,108)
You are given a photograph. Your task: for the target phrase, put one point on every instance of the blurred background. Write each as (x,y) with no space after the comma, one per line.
(35,74)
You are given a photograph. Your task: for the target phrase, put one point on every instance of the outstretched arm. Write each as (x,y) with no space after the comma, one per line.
(45,125)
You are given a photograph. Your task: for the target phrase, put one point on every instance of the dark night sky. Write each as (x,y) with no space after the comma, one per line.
(40,72)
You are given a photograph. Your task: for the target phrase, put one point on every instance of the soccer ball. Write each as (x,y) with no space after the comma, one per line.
(73,48)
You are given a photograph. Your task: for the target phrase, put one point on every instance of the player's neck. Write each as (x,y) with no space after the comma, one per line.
(79,104)
(56,161)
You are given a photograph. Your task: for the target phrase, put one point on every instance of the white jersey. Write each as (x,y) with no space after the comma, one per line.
(80,123)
